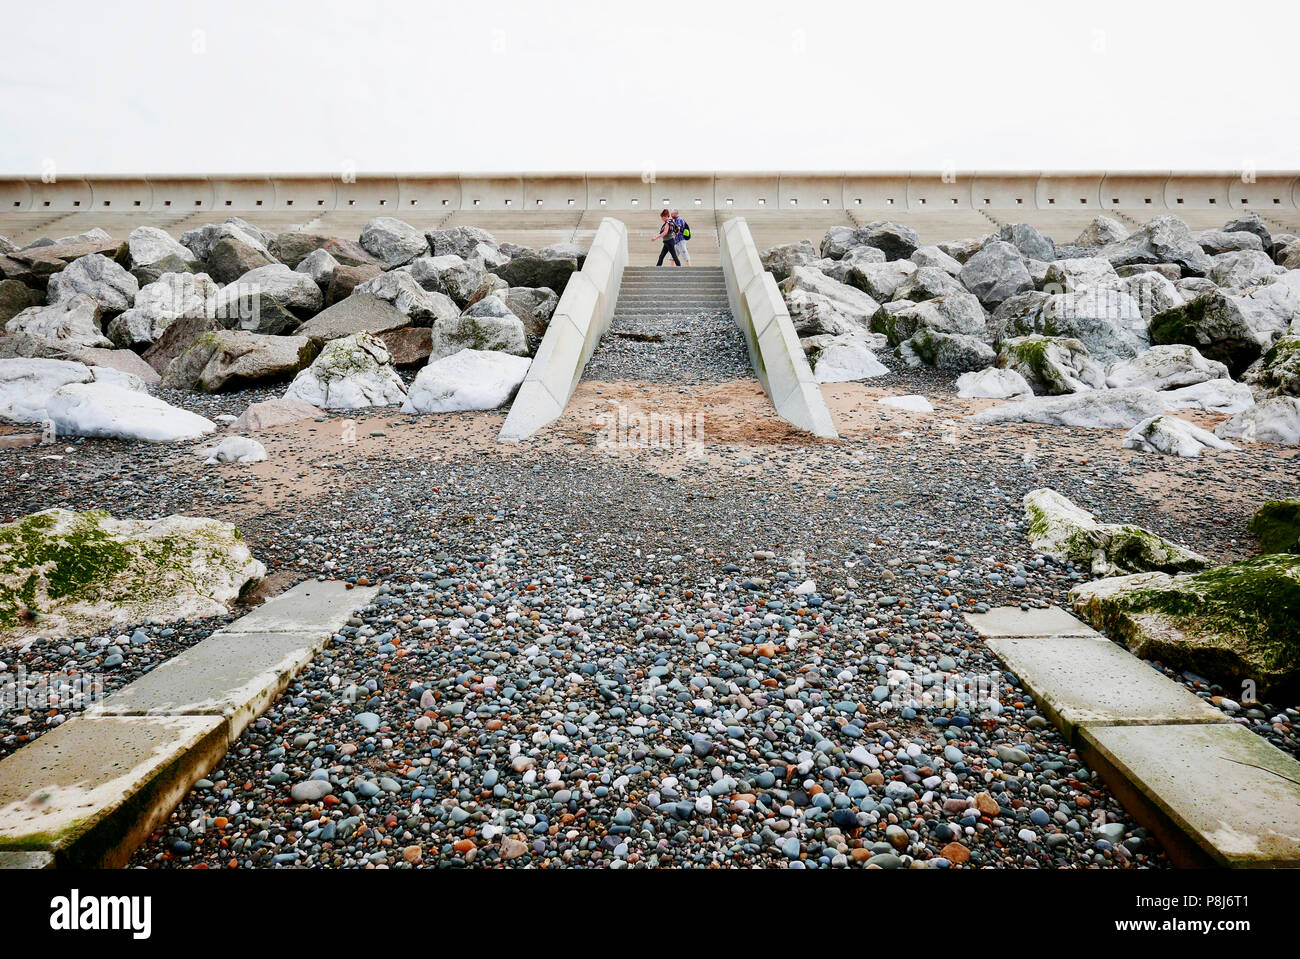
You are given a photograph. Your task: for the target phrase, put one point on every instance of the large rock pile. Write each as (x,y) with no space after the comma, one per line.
(1204,320)
(229,305)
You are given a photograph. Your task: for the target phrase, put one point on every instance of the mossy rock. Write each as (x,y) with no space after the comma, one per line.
(1039,360)
(1281,368)
(1231,624)
(64,573)
(1066,531)
(1277,526)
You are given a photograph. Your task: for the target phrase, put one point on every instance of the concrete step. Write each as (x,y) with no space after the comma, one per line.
(669,270)
(1213,792)
(664,295)
(230,674)
(106,784)
(650,319)
(112,774)
(631,283)
(654,302)
(711,287)
(1215,795)
(1081,681)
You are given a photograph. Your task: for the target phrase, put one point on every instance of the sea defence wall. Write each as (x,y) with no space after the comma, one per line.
(774,350)
(581,318)
(1152,191)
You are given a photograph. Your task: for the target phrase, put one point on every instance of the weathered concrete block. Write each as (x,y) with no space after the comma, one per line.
(1215,795)
(90,791)
(1081,681)
(229,674)
(1014,621)
(310,606)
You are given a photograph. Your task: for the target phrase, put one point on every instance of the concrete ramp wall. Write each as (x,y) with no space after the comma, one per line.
(774,350)
(581,318)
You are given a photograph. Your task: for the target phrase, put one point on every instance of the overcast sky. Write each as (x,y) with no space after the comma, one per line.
(483,85)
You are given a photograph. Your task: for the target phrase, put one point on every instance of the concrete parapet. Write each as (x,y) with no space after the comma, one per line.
(873,194)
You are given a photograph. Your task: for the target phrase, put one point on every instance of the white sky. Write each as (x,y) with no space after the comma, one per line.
(508,85)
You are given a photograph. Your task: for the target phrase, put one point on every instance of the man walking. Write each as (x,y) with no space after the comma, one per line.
(669,237)
(683,233)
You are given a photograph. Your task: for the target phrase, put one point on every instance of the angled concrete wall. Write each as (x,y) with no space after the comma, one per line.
(774,350)
(875,192)
(581,318)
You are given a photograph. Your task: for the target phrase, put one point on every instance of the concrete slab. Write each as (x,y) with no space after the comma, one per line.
(1215,795)
(310,606)
(1079,682)
(90,791)
(235,675)
(1014,621)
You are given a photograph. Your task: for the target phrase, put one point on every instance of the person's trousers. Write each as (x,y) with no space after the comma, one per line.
(670,249)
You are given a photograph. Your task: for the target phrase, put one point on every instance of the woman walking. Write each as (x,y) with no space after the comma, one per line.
(683,232)
(669,237)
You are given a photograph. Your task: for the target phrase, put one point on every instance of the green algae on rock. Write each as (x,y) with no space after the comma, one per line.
(1277,525)
(1231,624)
(1065,531)
(64,572)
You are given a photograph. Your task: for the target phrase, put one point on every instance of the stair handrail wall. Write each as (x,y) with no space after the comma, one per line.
(580,319)
(774,349)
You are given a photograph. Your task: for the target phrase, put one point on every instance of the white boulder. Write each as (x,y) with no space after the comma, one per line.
(468,380)
(1097,409)
(845,358)
(1213,396)
(296,291)
(424,307)
(1244,268)
(234,449)
(27,384)
(1174,436)
(319,265)
(1165,368)
(148,245)
(95,275)
(912,403)
(71,322)
(993,383)
(116,412)
(161,303)
(1275,420)
(392,241)
(1052,365)
(489,325)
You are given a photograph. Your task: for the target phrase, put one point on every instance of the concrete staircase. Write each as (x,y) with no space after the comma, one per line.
(672,324)
(652,293)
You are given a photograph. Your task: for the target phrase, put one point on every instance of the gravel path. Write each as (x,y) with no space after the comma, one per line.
(615,661)
(686,347)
